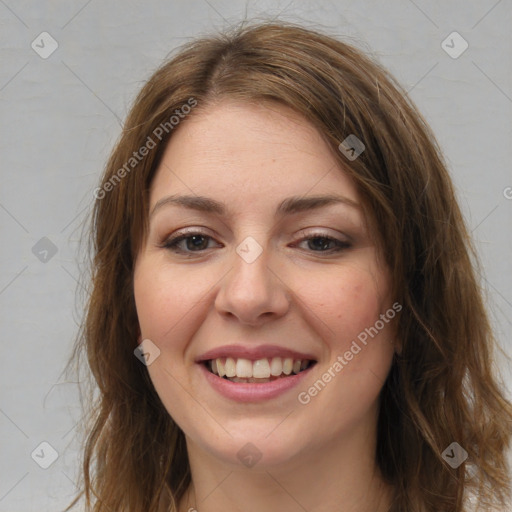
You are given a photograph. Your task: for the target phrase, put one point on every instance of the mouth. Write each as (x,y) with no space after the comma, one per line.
(260,371)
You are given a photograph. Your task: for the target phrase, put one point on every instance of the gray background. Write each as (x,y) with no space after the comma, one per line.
(61,115)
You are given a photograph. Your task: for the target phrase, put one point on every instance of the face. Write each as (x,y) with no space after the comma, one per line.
(244,274)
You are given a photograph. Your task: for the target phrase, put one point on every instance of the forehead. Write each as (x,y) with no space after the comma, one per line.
(247,154)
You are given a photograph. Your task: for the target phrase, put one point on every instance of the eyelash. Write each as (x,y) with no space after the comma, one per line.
(172,243)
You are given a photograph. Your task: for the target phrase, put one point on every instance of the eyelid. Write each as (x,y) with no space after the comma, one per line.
(171,243)
(183,234)
(303,233)
(324,233)
(192,231)
(343,244)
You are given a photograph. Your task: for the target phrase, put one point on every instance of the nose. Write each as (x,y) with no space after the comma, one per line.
(253,291)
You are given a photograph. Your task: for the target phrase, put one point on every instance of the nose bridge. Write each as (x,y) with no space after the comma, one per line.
(251,290)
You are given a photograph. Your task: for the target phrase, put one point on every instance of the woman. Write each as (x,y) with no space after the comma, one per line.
(284,312)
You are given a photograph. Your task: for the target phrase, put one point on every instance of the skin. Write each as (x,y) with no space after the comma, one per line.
(319,456)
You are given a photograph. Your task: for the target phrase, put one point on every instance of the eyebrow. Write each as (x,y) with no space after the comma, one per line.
(288,206)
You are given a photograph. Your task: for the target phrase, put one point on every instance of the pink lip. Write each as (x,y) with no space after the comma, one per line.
(252,353)
(252,392)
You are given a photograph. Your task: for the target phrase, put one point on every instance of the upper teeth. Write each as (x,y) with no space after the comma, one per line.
(260,369)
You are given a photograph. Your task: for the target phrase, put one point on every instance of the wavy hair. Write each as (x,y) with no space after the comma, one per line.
(443,385)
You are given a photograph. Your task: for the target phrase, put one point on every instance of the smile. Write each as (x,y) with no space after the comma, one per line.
(241,370)
(254,373)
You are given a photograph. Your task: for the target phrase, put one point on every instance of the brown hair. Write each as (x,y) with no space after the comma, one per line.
(441,387)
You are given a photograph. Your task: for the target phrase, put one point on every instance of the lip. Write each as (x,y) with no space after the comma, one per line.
(252,392)
(253,353)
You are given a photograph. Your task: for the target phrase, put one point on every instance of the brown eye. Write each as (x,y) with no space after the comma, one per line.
(187,243)
(322,243)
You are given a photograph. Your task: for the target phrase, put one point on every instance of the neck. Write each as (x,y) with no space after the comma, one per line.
(341,476)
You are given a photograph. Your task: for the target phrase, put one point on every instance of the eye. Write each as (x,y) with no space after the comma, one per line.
(193,242)
(321,242)
(197,242)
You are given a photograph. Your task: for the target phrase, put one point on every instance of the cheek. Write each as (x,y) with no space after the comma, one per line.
(164,298)
(166,302)
(350,303)
(348,300)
